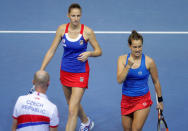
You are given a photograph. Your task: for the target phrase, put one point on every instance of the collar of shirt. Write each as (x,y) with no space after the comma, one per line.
(40,94)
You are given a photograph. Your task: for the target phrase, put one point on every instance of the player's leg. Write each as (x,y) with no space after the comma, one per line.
(139,118)
(67,92)
(127,122)
(74,105)
(81,113)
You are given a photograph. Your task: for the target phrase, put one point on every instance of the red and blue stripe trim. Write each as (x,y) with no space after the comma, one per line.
(32,120)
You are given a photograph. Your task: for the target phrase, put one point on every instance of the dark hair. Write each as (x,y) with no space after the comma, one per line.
(74,5)
(134,36)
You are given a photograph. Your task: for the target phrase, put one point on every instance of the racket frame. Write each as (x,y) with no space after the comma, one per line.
(160,118)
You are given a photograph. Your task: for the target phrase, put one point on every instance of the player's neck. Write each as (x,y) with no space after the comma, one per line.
(136,57)
(75,27)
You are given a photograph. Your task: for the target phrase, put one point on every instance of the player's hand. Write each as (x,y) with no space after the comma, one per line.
(130,62)
(160,106)
(83,56)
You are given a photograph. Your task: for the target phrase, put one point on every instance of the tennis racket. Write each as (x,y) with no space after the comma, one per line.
(161,125)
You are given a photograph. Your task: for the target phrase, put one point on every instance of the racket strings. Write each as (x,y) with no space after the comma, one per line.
(162,125)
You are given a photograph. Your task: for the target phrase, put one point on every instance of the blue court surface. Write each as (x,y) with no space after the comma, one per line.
(22,53)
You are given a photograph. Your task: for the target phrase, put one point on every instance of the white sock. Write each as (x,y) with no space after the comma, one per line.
(87,123)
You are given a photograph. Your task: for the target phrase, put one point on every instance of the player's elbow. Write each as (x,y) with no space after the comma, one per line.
(100,52)
(156,82)
(120,81)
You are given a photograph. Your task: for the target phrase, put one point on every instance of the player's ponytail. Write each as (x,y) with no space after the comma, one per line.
(134,36)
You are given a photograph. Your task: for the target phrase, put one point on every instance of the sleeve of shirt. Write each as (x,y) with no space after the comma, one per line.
(54,121)
(15,111)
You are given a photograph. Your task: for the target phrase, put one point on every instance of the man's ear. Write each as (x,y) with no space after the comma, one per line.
(33,82)
(48,83)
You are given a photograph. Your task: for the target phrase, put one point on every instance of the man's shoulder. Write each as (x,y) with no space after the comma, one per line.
(36,98)
(22,97)
(26,97)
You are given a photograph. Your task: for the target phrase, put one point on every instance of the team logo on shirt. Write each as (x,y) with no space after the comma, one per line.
(81,79)
(81,42)
(144,104)
(63,40)
(140,73)
(37,98)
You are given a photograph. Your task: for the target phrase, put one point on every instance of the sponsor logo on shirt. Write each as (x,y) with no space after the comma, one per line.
(140,73)
(81,79)
(81,42)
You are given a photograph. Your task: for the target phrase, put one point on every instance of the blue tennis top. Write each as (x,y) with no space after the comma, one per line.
(136,82)
(72,49)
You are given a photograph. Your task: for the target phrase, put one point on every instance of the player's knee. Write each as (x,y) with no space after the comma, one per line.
(137,127)
(73,110)
(127,128)
(68,101)
(127,123)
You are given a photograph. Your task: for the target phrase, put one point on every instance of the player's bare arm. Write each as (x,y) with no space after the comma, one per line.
(50,53)
(90,36)
(155,79)
(123,70)
(14,125)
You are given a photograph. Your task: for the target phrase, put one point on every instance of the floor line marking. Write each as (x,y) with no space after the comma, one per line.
(97,32)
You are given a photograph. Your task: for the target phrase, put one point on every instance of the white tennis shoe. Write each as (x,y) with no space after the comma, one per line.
(83,127)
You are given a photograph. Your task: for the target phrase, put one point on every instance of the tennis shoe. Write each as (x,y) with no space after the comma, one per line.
(87,128)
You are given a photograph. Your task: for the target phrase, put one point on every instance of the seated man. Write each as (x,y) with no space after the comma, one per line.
(34,112)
